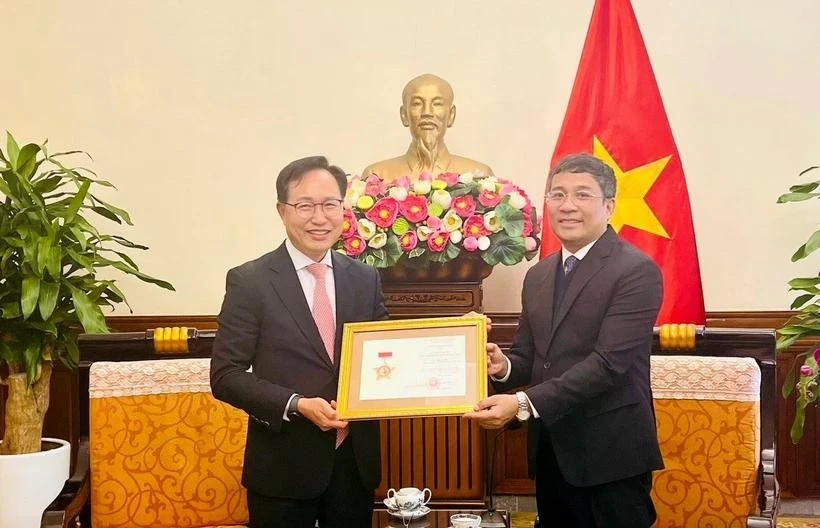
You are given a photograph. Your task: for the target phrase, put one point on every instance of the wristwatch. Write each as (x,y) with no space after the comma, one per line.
(293,407)
(524,411)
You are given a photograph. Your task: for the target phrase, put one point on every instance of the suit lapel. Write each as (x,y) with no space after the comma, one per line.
(345,294)
(286,284)
(591,264)
(546,294)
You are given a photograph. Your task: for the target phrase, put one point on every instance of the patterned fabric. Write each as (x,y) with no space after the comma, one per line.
(570,263)
(164,452)
(708,416)
(323,315)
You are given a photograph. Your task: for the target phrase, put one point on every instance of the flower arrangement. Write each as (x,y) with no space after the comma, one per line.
(437,219)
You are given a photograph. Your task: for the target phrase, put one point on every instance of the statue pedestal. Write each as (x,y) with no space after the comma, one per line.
(445,454)
(437,290)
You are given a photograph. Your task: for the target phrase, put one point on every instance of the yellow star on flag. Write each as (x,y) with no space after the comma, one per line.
(630,204)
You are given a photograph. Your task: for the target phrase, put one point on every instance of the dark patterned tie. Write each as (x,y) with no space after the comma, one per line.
(570,264)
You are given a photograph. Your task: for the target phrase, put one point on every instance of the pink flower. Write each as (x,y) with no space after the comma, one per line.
(470,243)
(414,208)
(805,370)
(434,222)
(355,245)
(507,188)
(527,225)
(349,225)
(374,186)
(409,241)
(474,227)
(464,206)
(384,212)
(817,355)
(450,178)
(425,176)
(404,182)
(437,241)
(489,198)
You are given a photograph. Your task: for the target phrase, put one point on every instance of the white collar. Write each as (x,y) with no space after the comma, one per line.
(301,261)
(580,254)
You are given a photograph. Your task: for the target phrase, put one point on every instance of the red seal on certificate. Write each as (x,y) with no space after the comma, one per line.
(433,383)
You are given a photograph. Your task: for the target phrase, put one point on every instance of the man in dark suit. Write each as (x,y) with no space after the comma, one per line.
(582,347)
(282,318)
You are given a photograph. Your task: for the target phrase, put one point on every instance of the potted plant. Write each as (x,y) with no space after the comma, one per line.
(419,225)
(806,322)
(50,291)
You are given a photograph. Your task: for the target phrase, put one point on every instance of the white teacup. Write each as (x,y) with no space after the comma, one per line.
(465,520)
(409,499)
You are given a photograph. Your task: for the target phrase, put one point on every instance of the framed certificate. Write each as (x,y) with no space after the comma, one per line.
(413,367)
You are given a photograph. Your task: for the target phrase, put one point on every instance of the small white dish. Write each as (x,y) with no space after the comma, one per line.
(408,515)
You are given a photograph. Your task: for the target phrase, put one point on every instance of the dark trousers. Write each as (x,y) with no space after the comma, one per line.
(344,504)
(620,504)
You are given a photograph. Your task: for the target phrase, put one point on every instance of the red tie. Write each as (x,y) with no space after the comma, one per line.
(323,316)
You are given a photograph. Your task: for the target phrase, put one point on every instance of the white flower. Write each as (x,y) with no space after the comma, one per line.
(451,221)
(358,187)
(466,177)
(366,228)
(351,197)
(456,236)
(517,201)
(483,243)
(378,240)
(491,222)
(421,187)
(423,232)
(397,193)
(488,184)
(442,198)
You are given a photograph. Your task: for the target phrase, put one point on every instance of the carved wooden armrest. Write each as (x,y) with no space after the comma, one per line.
(67,506)
(769,496)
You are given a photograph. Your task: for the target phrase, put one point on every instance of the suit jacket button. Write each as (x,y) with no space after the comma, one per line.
(547,364)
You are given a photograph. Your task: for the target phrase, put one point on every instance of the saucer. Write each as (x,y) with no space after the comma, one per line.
(405,515)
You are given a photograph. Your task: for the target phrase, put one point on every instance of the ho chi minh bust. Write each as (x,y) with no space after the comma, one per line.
(427,109)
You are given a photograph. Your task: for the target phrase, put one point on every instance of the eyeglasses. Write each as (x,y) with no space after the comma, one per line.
(332,207)
(578,197)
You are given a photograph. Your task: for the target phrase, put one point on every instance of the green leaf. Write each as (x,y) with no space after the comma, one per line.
(78,200)
(415,252)
(784,342)
(48,299)
(804,171)
(115,210)
(73,351)
(79,236)
(449,253)
(12,149)
(808,248)
(102,211)
(511,219)
(32,356)
(796,197)
(27,160)
(788,384)
(804,282)
(801,300)
(90,315)
(796,431)
(142,276)
(504,250)
(31,293)
(804,187)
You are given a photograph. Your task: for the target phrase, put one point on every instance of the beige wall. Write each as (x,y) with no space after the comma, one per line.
(192,107)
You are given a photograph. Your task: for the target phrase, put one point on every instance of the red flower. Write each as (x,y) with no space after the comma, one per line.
(383,213)
(464,206)
(409,241)
(437,241)
(349,226)
(489,198)
(450,178)
(355,246)
(414,208)
(474,227)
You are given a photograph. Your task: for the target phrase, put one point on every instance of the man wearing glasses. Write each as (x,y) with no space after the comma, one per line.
(582,348)
(282,318)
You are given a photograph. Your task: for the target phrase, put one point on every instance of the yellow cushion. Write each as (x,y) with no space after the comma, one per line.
(164,452)
(708,416)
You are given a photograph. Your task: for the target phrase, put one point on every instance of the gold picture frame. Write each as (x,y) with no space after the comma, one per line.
(379,377)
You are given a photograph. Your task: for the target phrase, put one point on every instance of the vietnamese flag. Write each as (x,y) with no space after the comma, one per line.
(615,112)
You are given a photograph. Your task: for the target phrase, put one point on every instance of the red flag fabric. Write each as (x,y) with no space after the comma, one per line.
(616,113)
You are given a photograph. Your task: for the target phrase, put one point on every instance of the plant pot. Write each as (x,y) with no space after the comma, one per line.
(30,482)
(466,267)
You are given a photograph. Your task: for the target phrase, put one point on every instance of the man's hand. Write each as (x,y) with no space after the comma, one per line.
(496,361)
(320,412)
(495,412)
(476,314)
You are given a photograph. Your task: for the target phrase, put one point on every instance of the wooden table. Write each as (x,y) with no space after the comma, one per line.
(434,519)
